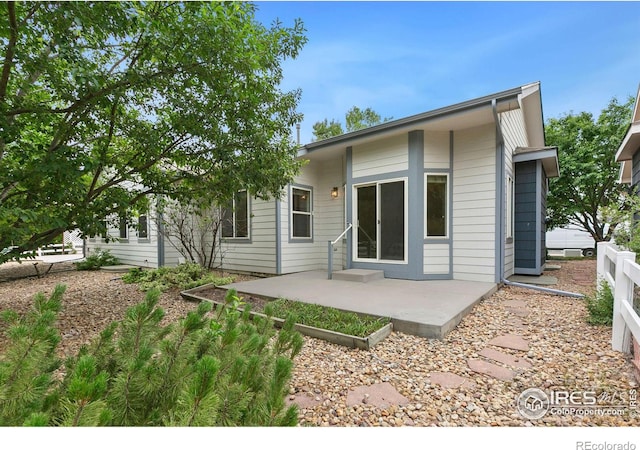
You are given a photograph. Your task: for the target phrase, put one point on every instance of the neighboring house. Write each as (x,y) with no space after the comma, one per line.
(628,153)
(454,193)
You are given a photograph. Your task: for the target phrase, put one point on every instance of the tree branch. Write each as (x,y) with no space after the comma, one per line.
(10,50)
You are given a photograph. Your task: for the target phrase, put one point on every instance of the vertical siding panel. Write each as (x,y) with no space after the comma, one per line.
(381,156)
(436,150)
(474,191)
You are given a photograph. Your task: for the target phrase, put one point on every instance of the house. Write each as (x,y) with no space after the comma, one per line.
(454,193)
(628,153)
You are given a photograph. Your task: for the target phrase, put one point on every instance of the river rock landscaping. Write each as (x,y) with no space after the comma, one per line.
(514,340)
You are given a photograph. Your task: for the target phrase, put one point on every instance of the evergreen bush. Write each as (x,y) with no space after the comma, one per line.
(97,259)
(211,368)
(183,276)
(600,306)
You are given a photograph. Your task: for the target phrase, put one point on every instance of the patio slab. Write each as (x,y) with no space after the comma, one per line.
(424,308)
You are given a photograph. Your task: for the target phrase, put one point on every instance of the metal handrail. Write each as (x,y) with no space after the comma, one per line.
(330,245)
(342,234)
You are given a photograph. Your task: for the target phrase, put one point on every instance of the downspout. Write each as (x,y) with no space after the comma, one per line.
(160,231)
(500,209)
(543,289)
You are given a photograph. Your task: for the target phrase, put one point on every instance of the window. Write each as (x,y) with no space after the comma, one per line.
(143,226)
(437,208)
(510,208)
(301,226)
(235,217)
(124,228)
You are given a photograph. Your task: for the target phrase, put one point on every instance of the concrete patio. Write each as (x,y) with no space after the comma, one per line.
(424,308)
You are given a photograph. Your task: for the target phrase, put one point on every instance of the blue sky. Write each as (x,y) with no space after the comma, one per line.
(404,58)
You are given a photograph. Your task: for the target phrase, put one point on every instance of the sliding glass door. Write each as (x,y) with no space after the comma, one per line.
(380,221)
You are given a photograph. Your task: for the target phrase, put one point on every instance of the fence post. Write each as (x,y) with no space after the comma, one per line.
(620,334)
(601,254)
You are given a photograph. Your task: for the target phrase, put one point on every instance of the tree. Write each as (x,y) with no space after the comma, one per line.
(325,129)
(104,103)
(355,119)
(588,179)
(192,229)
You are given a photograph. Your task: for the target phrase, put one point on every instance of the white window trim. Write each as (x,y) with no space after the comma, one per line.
(447,205)
(303,213)
(234,223)
(354,213)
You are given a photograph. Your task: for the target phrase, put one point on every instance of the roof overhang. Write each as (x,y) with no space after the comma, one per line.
(463,115)
(531,103)
(630,144)
(547,155)
(625,172)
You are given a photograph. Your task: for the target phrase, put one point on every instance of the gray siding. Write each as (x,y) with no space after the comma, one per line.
(526,220)
(635,170)
(542,218)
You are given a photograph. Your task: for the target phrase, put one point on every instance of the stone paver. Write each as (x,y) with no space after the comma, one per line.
(450,380)
(505,358)
(381,395)
(515,303)
(512,341)
(520,312)
(493,370)
(304,400)
(516,322)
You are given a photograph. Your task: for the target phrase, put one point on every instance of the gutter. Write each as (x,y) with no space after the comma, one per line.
(543,289)
(412,120)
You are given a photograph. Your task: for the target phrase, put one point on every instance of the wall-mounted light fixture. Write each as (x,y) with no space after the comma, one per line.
(334,192)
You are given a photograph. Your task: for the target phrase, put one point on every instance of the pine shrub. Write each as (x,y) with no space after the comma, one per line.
(211,368)
(600,306)
(97,259)
(183,276)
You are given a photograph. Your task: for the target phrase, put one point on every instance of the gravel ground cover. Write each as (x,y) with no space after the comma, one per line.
(564,353)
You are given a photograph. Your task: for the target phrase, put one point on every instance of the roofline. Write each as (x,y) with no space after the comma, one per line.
(386,126)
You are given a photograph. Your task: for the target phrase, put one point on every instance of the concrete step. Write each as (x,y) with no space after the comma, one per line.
(358,275)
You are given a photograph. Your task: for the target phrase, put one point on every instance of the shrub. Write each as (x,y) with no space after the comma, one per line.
(211,368)
(97,259)
(600,306)
(183,276)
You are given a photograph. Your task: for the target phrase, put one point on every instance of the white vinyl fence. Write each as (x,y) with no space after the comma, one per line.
(620,270)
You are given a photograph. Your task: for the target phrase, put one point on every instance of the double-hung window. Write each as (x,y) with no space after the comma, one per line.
(143,226)
(301,213)
(235,217)
(124,228)
(437,206)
